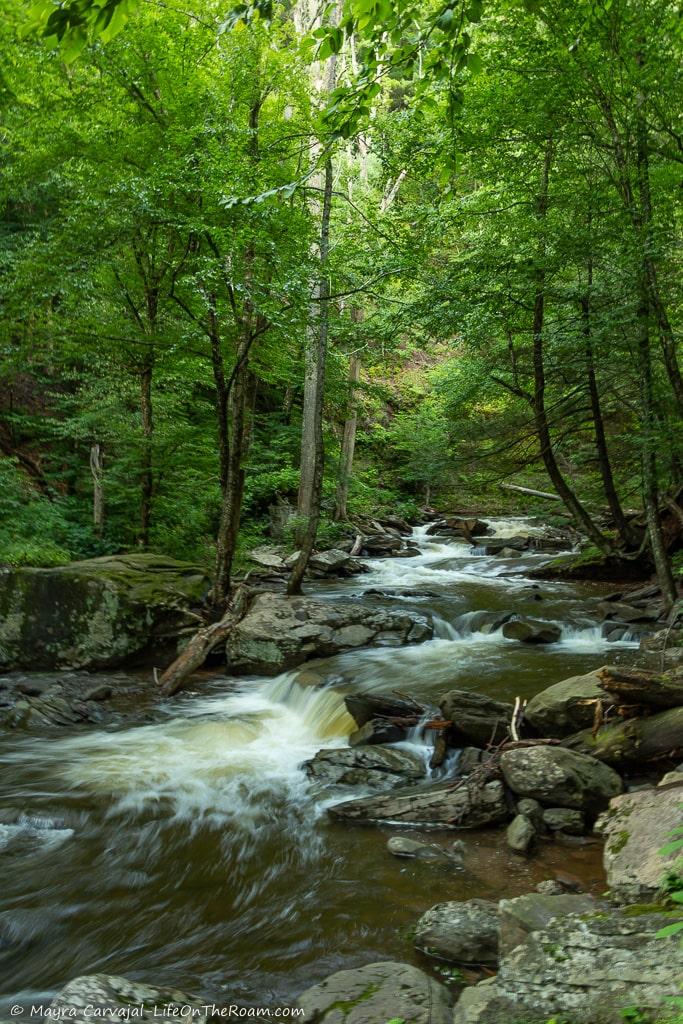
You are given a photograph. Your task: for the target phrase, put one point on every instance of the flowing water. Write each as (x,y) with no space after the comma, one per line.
(191,851)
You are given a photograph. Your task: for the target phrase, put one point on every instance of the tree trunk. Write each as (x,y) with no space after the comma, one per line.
(648,442)
(147,472)
(538,401)
(221,394)
(312,442)
(624,530)
(96,470)
(348,442)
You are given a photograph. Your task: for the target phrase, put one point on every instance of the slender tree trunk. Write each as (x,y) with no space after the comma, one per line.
(221,394)
(648,442)
(147,469)
(97,470)
(312,442)
(604,464)
(348,442)
(580,514)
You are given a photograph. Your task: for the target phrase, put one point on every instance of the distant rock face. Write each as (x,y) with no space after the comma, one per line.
(376,994)
(113,996)
(635,827)
(95,614)
(546,774)
(464,933)
(438,804)
(281,632)
(559,710)
(584,967)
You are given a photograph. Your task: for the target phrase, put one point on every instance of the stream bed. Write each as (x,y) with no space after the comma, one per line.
(190,851)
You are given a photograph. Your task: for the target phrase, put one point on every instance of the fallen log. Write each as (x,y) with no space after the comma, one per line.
(637,686)
(531,491)
(634,742)
(198,648)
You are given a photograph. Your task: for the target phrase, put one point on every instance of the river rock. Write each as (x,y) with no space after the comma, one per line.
(476,718)
(565,707)
(269,558)
(521,916)
(546,774)
(520,834)
(330,561)
(636,827)
(364,706)
(532,810)
(532,631)
(113,996)
(441,803)
(95,614)
(563,819)
(375,767)
(463,933)
(280,632)
(413,849)
(375,994)
(377,730)
(585,968)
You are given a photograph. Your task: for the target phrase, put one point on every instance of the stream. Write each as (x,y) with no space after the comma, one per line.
(190,850)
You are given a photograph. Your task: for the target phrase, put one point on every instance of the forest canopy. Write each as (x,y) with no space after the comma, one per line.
(270,267)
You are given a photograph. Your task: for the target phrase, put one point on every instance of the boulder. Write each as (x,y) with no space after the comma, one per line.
(375,767)
(377,730)
(381,544)
(441,803)
(585,967)
(462,933)
(268,558)
(95,614)
(532,631)
(532,810)
(520,834)
(111,997)
(636,827)
(565,707)
(548,775)
(476,718)
(280,632)
(375,994)
(330,561)
(521,916)
(563,819)
(364,706)
(54,700)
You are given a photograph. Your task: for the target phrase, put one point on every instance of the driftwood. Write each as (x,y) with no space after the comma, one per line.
(636,686)
(198,648)
(530,490)
(413,720)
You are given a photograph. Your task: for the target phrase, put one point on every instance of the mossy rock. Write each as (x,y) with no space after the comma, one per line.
(593,565)
(99,613)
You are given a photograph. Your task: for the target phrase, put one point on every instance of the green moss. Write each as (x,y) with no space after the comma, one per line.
(346,1005)
(617,843)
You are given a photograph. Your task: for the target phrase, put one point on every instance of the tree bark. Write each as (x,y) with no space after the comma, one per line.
(96,470)
(146,469)
(644,356)
(348,442)
(202,643)
(312,441)
(579,513)
(221,393)
(624,530)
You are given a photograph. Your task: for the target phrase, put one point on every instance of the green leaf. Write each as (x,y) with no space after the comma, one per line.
(669,929)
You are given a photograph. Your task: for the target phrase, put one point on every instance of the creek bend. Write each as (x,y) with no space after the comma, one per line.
(191,850)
